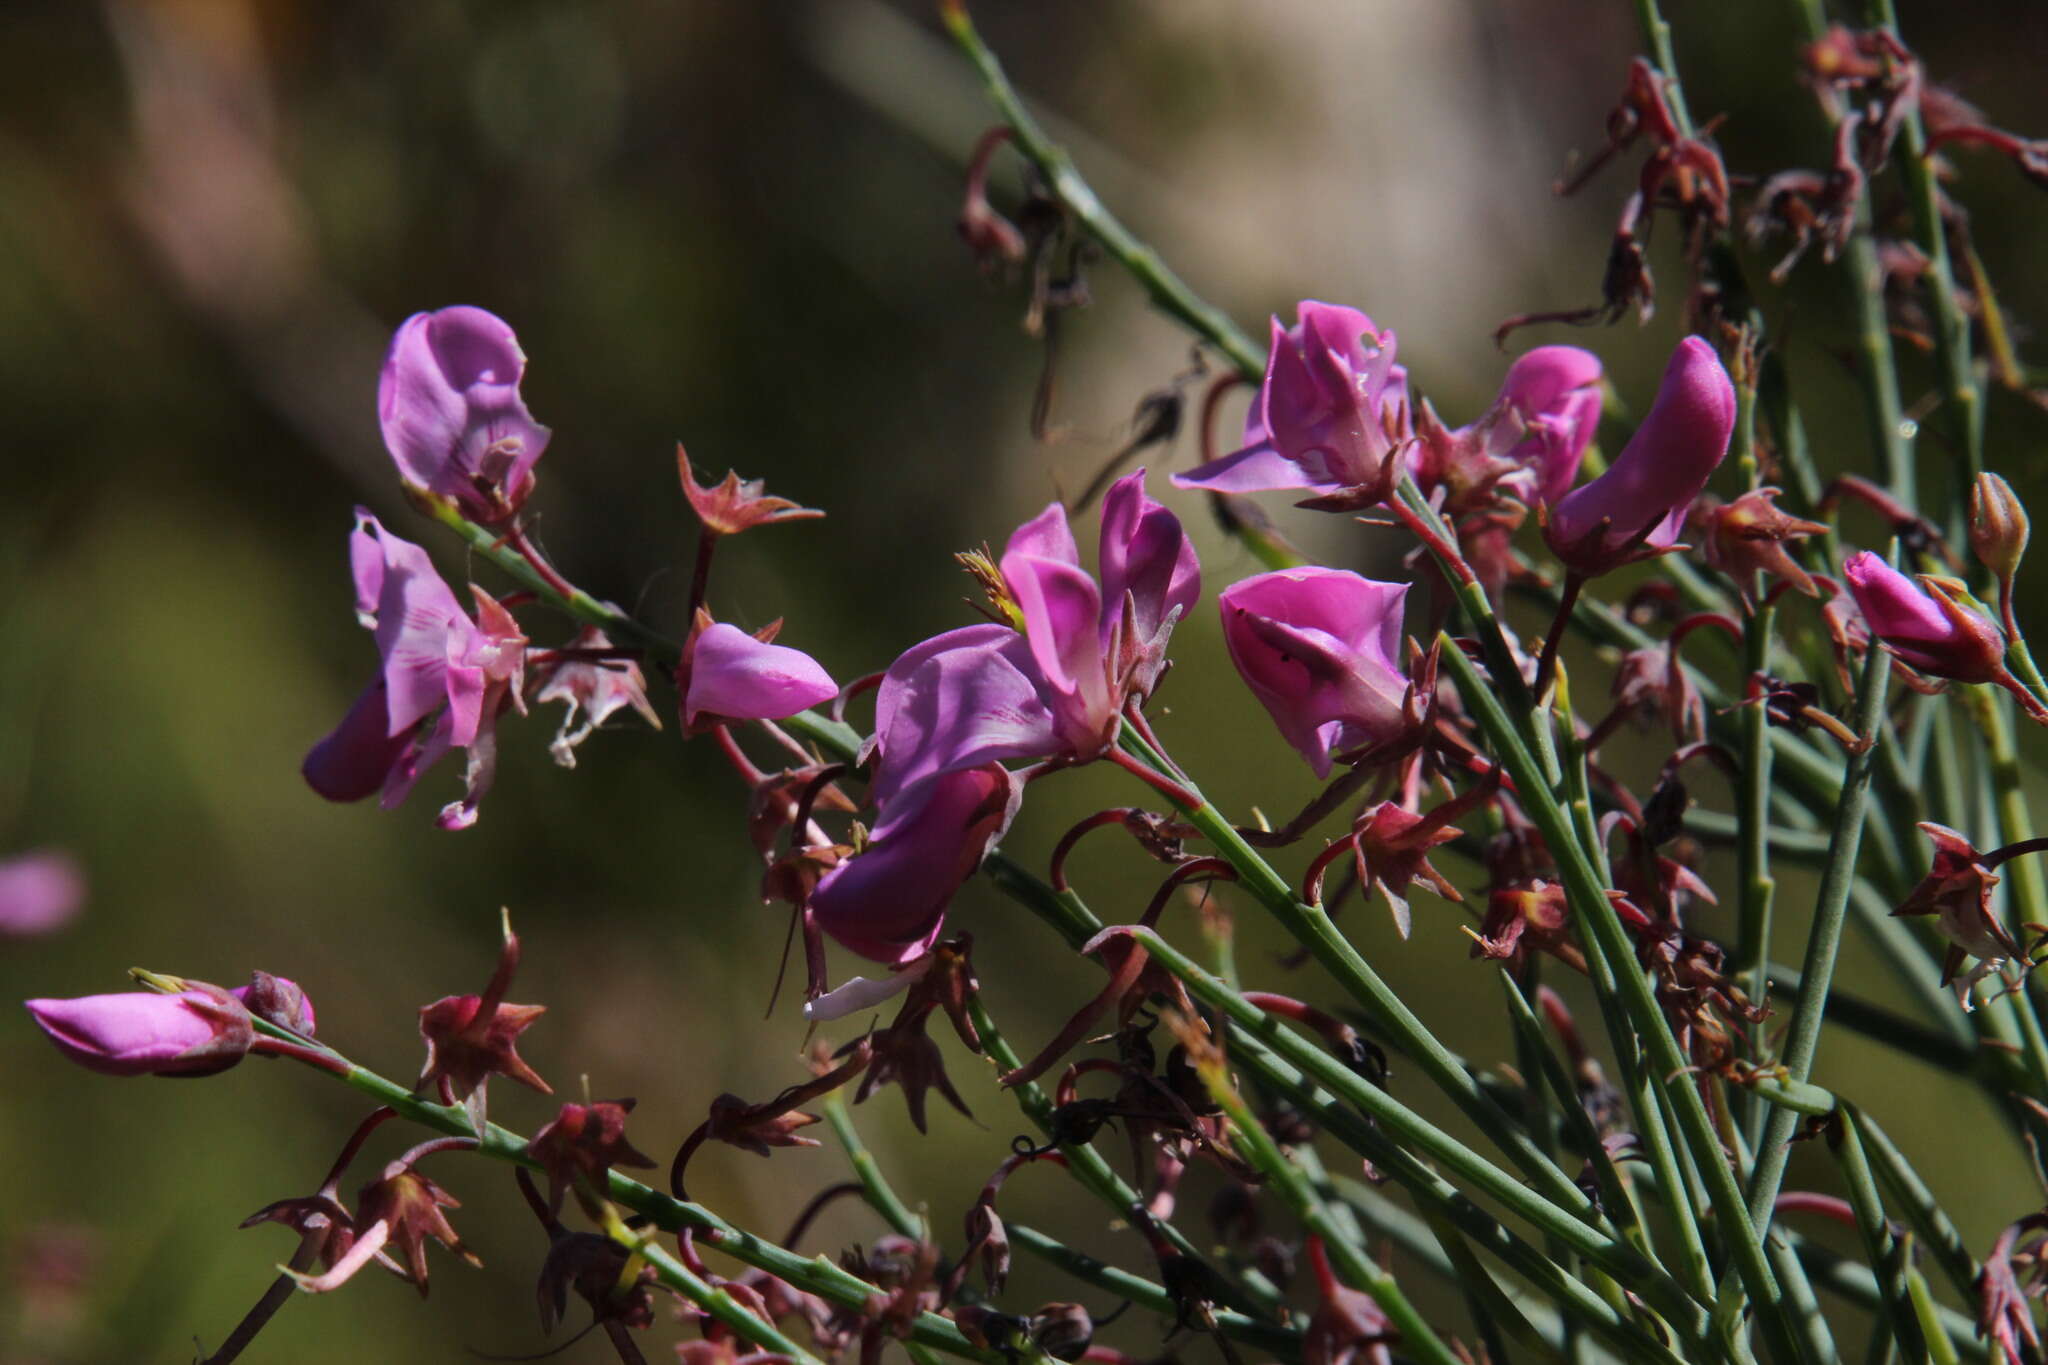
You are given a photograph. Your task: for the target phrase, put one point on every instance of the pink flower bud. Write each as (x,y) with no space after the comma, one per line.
(277,1000)
(1998,526)
(453,419)
(734,676)
(1555,391)
(1923,623)
(141,1033)
(1642,499)
(1319,648)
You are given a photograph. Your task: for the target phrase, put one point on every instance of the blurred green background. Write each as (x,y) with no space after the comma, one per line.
(728,224)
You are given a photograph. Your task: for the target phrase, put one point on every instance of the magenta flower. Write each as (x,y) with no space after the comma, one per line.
(1526,447)
(1640,504)
(444,681)
(1320,648)
(1329,416)
(452,415)
(888,902)
(40,892)
(985,694)
(1554,393)
(734,676)
(140,1033)
(1927,627)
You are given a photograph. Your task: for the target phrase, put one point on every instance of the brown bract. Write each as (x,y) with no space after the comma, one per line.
(471,1038)
(737,504)
(1749,535)
(588,1139)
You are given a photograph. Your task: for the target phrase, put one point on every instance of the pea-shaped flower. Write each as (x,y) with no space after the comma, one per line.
(453,419)
(1329,417)
(1639,505)
(1931,631)
(141,1033)
(888,902)
(1320,648)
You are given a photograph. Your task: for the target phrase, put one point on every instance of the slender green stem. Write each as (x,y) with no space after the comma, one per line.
(874,1186)
(715,1300)
(1256,1146)
(817,1275)
(1962,401)
(1311,927)
(1886,1255)
(1284,1342)
(1929,1219)
(1166,290)
(1408,1129)
(1823,939)
(1658,34)
(1598,923)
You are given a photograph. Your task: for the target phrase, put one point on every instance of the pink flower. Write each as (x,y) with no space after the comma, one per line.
(40,892)
(1554,392)
(1319,647)
(888,902)
(984,694)
(444,681)
(1927,627)
(734,676)
(453,419)
(140,1033)
(1330,414)
(1526,447)
(1641,502)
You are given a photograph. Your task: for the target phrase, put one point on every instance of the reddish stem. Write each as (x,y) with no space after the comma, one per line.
(1166,786)
(515,536)
(299,1052)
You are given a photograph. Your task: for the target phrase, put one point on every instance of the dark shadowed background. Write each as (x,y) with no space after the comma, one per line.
(730,225)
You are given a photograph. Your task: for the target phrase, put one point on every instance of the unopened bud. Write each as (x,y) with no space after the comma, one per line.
(1998,526)
(196,1032)
(1063,1331)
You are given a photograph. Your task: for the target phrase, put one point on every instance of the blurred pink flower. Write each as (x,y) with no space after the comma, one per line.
(40,892)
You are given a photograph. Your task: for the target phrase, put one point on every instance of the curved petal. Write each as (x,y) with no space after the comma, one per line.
(960,708)
(1144,553)
(889,902)
(353,761)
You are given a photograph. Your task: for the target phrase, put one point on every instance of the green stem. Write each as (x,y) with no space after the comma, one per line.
(1962,401)
(1311,927)
(1929,1220)
(1885,1253)
(817,1275)
(1281,1341)
(1166,290)
(1407,1129)
(1658,33)
(1823,939)
(1601,927)
(874,1186)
